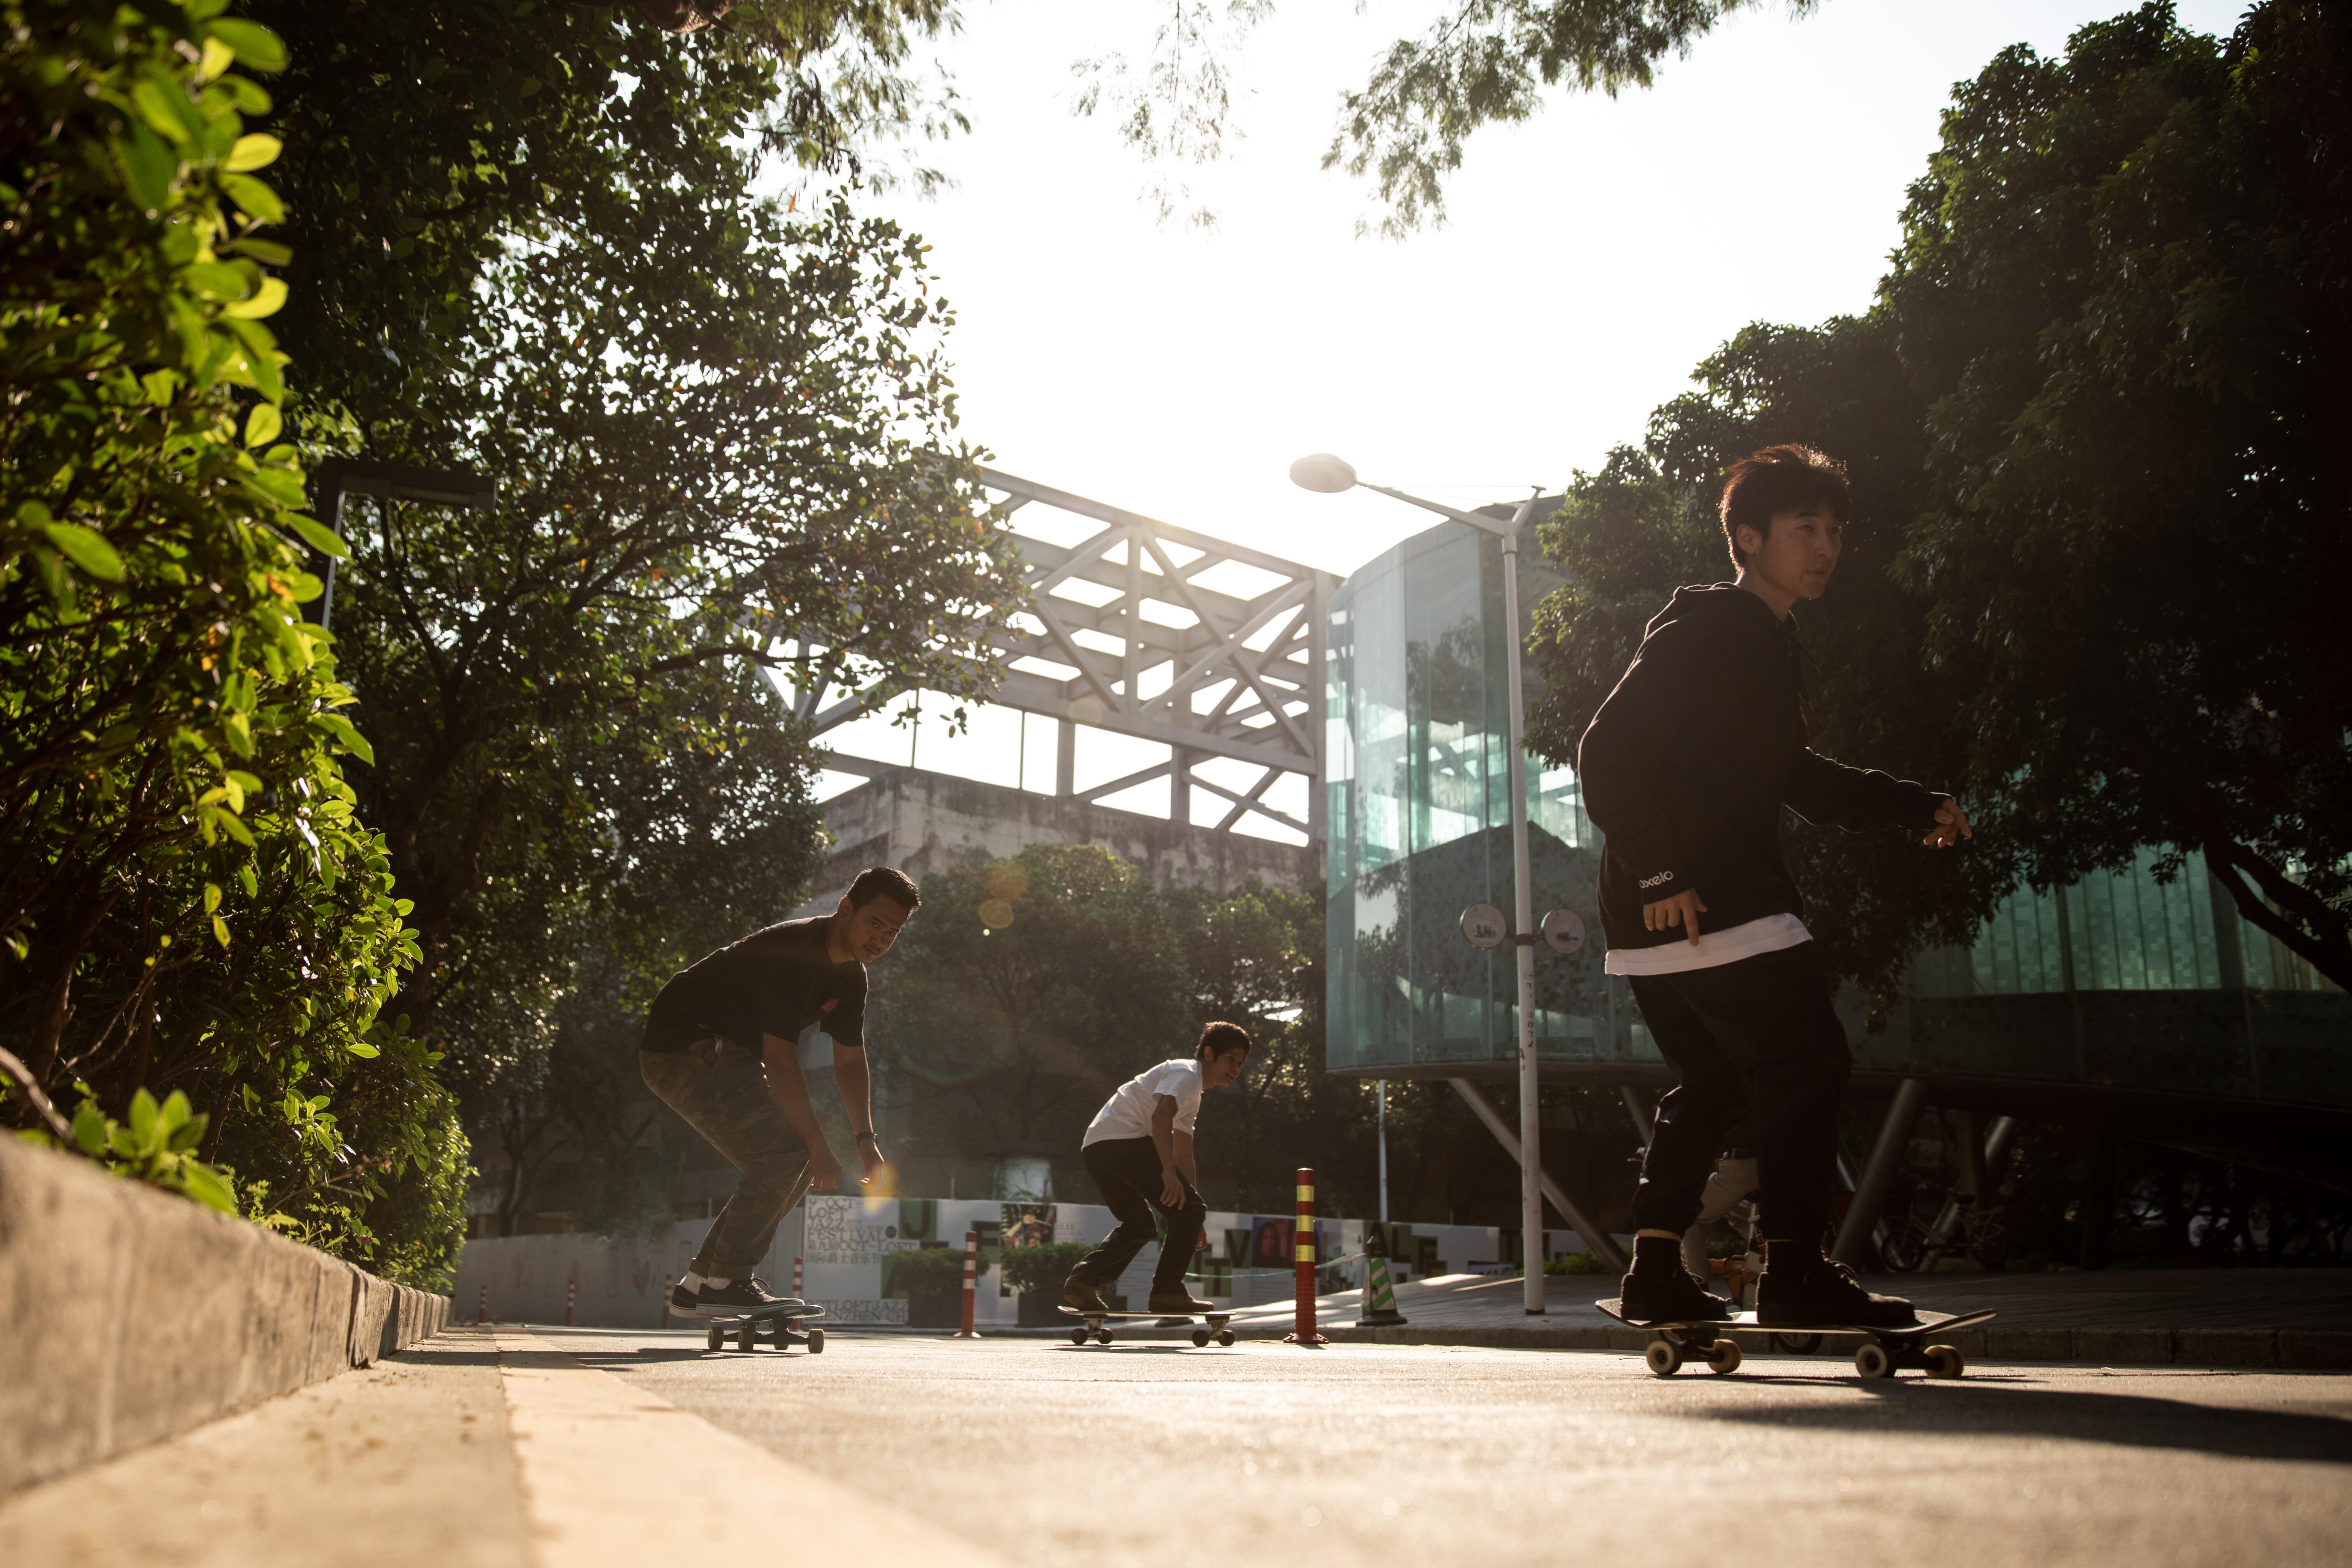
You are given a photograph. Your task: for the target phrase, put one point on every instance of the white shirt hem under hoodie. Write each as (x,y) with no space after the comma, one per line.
(1768,934)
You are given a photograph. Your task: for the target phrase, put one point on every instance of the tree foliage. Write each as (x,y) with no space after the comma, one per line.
(722,427)
(2096,543)
(188,901)
(1492,62)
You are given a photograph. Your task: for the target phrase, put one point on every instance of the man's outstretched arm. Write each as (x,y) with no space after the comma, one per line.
(1830,793)
(789,1090)
(856,1081)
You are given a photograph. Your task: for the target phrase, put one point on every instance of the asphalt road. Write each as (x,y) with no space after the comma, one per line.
(1152,1454)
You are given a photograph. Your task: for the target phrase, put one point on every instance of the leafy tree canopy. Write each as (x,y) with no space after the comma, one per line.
(2093,576)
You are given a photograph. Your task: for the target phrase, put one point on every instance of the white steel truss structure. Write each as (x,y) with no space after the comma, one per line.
(1210,648)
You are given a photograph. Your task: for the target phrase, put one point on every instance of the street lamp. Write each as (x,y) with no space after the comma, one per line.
(1327,475)
(339,476)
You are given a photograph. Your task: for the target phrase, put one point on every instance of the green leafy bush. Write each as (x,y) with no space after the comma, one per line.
(1043,1268)
(188,904)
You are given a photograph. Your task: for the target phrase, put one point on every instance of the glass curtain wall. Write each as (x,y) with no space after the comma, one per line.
(1417,770)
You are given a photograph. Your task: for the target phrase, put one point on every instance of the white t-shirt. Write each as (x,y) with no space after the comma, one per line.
(1731,944)
(1127,1113)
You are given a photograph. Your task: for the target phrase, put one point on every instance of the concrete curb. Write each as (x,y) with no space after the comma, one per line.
(129,1314)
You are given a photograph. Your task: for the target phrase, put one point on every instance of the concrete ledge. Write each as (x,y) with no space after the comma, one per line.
(128,1314)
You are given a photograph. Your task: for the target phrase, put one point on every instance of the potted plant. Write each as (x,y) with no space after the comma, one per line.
(1036,1274)
(932,1278)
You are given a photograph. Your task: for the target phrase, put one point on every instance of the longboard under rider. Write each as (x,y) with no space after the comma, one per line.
(780,1322)
(1092,1327)
(1885,1348)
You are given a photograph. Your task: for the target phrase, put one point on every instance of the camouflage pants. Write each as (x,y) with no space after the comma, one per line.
(722,1091)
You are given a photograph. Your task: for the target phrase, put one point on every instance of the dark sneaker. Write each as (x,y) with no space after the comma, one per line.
(685,1303)
(1827,1296)
(744,1295)
(1083,1296)
(1672,1295)
(1177,1304)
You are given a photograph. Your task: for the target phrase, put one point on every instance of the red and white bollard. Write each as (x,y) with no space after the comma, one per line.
(570,1294)
(971,1284)
(1302,1251)
(482,1309)
(664,1300)
(796,1278)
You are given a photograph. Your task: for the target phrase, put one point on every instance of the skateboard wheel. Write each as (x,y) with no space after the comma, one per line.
(1200,1337)
(1872,1360)
(816,1342)
(1226,1338)
(746,1337)
(1797,1344)
(716,1337)
(1078,1336)
(1724,1358)
(1664,1357)
(1946,1361)
(1102,1336)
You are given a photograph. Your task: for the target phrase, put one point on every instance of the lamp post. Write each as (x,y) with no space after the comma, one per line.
(1328,475)
(339,476)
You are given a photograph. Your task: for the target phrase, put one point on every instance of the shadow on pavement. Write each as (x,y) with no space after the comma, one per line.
(2130,1420)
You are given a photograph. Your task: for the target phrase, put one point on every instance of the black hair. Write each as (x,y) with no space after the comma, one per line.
(1216,1039)
(885,882)
(1766,483)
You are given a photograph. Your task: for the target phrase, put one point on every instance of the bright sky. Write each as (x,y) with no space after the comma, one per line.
(1593,256)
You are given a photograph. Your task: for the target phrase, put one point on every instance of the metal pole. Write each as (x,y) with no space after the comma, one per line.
(1382,1120)
(327,598)
(1910,1099)
(1604,1246)
(1531,1235)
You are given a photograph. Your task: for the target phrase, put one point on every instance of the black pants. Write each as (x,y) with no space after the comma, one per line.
(1756,1039)
(1127,1173)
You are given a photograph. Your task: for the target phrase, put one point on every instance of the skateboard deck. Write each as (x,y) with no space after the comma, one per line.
(1885,1348)
(781,1322)
(1091,1324)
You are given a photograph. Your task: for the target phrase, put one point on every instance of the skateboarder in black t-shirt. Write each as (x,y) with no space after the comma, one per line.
(721,1048)
(1685,770)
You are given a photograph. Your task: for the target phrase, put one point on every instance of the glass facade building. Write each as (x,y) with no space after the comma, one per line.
(1417,805)
(2120,983)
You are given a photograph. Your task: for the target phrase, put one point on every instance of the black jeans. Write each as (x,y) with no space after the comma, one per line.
(1127,1173)
(1756,1039)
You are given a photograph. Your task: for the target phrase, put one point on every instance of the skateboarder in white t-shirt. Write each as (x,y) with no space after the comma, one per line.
(1138,1150)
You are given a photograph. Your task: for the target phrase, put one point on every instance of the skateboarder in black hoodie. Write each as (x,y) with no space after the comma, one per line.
(1687,769)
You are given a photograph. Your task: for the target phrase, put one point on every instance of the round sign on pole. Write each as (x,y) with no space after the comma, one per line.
(1483,924)
(1563,932)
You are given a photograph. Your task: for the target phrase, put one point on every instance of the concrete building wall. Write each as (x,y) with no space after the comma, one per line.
(921,822)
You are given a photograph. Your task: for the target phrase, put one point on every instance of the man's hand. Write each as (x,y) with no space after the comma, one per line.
(824,1171)
(869,1154)
(1951,825)
(1683,909)
(1172,1188)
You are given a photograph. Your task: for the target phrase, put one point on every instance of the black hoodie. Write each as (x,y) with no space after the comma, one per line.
(1688,762)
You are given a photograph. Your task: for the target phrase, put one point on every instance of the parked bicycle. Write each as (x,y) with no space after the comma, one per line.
(1974,1230)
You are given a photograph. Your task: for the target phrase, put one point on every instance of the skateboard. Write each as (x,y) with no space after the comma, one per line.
(1884,1349)
(1092,1325)
(779,1329)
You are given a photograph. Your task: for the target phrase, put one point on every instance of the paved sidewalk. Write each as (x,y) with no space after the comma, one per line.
(557,1448)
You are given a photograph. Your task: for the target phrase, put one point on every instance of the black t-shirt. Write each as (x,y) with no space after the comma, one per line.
(774,982)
